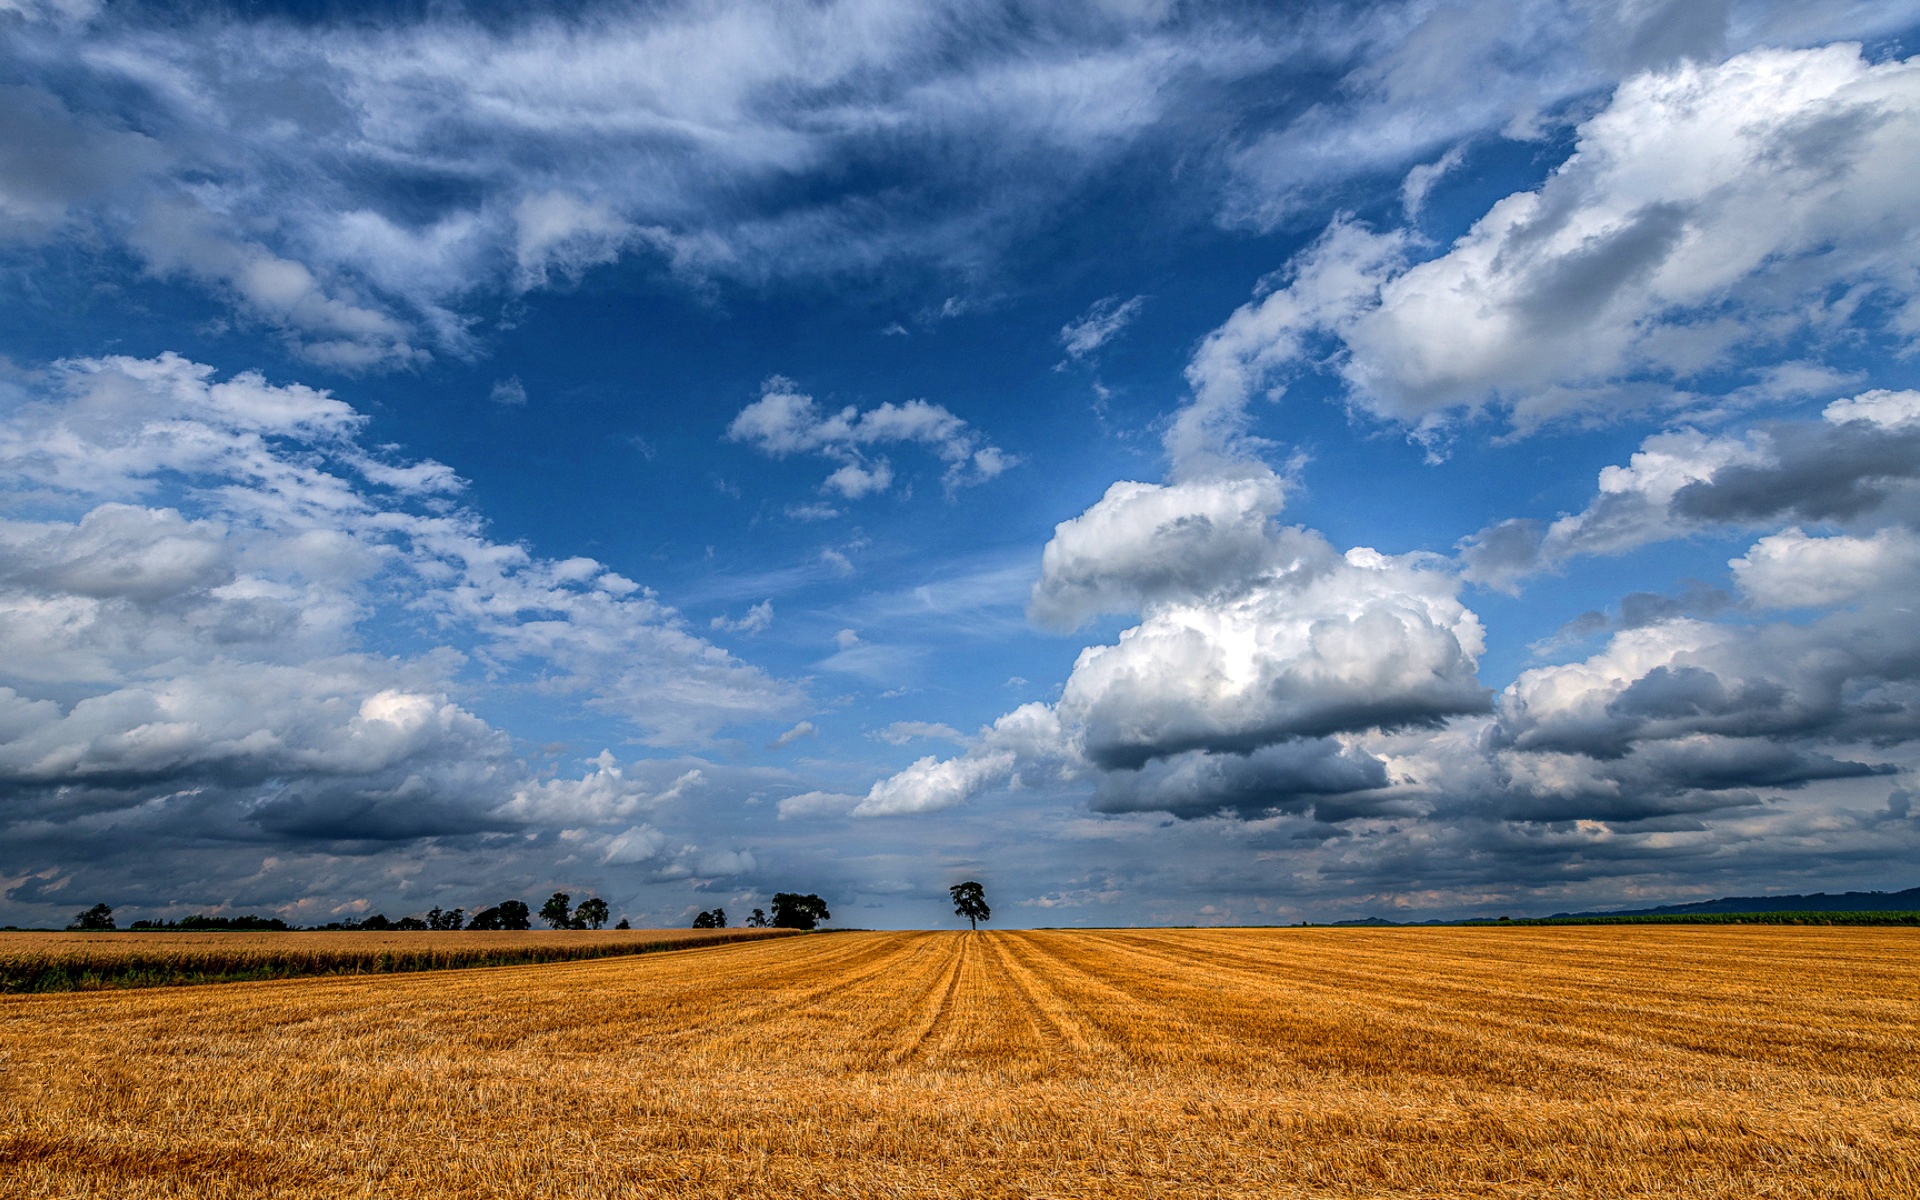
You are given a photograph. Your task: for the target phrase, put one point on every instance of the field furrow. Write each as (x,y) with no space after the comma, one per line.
(1652,1062)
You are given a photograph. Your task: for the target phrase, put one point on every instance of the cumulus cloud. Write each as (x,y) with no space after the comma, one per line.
(1326,643)
(1143,543)
(1792,570)
(1257,645)
(1690,716)
(1707,208)
(785,421)
(1432,76)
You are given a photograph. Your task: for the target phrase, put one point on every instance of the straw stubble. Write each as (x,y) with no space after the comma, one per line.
(1721,1062)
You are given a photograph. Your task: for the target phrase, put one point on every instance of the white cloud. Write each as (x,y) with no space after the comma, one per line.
(1887,409)
(608,793)
(509,391)
(53,161)
(1099,325)
(325,323)
(854,480)
(637,844)
(1792,570)
(284,536)
(812,512)
(759,619)
(1143,543)
(805,729)
(1706,208)
(901,732)
(1422,79)
(1328,284)
(1324,643)
(931,784)
(784,421)
(1421,179)
(555,232)
(1686,714)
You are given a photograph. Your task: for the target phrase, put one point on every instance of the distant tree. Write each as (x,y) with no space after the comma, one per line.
(508,914)
(624,924)
(794,911)
(591,914)
(557,912)
(704,920)
(758,920)
(486,918)
(440,918)
(411,924)
(100,916)
(970,901)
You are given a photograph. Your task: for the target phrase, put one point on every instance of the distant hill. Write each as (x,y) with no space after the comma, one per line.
(1906,901)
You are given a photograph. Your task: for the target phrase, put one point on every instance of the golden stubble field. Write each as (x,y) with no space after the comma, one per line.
(1671,1062)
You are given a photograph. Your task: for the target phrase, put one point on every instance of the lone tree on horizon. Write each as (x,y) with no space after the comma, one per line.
(99,917)
(970,901)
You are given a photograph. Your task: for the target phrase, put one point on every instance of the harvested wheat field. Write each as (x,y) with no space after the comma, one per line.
(1695,1062)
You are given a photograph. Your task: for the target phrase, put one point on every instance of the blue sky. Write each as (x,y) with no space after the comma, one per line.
(1172,463)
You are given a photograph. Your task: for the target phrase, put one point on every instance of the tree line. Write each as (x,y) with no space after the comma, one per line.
(791,910)
(559,912)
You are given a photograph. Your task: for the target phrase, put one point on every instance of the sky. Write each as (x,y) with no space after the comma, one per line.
(1171,463)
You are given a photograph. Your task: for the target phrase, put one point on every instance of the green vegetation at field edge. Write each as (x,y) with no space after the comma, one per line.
(163,967)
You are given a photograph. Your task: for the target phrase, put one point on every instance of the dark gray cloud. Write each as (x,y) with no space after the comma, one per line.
(1319,775)
(1857,463)
(1851,675)
(1820,471)
(53,160)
